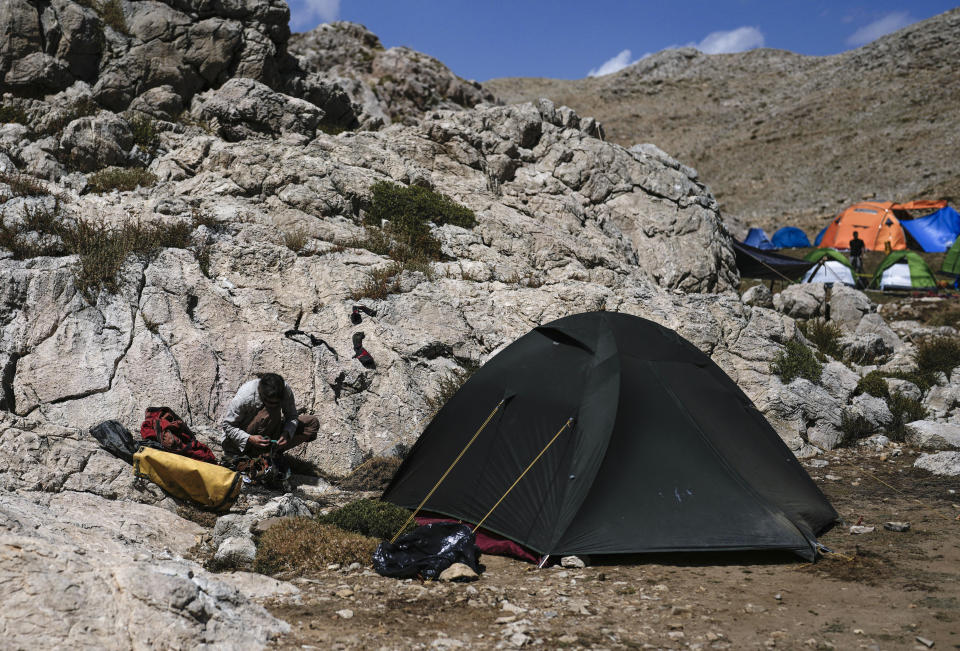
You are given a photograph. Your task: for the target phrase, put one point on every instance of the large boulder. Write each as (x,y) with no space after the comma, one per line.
(244,107)
(801,301)
(94,142)
(940,463)
(930,435)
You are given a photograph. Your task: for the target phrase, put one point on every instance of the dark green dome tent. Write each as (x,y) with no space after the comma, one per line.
(665,452)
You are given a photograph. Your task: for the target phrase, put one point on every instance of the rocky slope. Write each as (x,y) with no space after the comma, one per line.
(243,219)
(784,138)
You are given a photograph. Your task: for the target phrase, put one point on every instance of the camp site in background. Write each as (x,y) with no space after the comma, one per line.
(640,444)
(830,266)
(880,224)
(903,270)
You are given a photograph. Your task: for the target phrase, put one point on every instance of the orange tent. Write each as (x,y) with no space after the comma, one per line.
(874,223)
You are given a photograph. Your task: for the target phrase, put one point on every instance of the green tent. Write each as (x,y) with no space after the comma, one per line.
(951,261)
(830,266)
(903,270)
(817,254)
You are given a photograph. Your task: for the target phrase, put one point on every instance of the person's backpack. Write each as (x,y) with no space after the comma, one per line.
(115,439)
(162,426)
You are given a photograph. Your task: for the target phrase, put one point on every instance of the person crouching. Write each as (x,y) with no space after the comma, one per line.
(261,423)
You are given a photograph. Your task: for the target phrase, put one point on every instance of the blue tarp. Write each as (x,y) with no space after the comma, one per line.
(817,241)
(790,237)
(935,232)
(758,239)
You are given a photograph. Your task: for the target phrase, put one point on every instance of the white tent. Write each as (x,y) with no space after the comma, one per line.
(896,276)
(830,271)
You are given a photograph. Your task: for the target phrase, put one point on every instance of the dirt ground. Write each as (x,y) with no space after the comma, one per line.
(882,590)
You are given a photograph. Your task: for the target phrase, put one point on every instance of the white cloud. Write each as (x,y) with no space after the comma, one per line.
(881,27)
(307,14)
(611,66)
(734,40)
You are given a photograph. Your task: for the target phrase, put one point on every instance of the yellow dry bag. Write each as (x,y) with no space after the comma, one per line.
(208,484)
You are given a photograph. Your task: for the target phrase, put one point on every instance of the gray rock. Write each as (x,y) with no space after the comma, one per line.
(244,107)
(95,142)
(903,387)
(458,572)
(942,400)
(940,463)
(575,561)
(874,324)
(87,571)
(864,347)
(161,102)
(930,435)
(758,295)
(838,380)
(848,306)
(237,552)
(874,410)
(801,301)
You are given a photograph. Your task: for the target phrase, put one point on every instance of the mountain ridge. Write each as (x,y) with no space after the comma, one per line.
(785,138)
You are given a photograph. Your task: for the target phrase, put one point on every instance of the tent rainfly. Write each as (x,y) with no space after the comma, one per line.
(757,238)
(831,267)
(790,237)
(874,223)
(642,444)
(935,232)
(754,263)
(903,270)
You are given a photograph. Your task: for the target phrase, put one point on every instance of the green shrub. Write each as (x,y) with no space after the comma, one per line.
(923,382)
(905,410)
(796,360)
(874,384)
(144,131)
(949,317)
(370,518)
(9,113)
(119,178)
(303,545)
(409,211)
(81,108)
(853,428)
(38,234)
(823,334)
(937,355)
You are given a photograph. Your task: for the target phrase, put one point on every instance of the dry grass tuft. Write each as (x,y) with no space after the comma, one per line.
(305,545)
(374,475)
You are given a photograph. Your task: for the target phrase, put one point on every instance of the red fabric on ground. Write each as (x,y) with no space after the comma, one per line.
(487,542)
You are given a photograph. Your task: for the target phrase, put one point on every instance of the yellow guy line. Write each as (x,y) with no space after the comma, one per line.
(537,458)
(439,481)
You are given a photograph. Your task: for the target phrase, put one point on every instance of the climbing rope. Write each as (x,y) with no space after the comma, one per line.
(894,488)
(455,461)
(537,458)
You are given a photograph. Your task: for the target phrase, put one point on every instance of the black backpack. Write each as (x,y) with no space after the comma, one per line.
(115,439)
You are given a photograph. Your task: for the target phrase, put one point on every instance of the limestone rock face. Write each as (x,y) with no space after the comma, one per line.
(83,571)
(395,85)
(940,463)
(929,435)
(243,107)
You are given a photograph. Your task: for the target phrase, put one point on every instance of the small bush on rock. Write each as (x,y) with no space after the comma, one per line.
(905,410)
(874,384)
(408,213)
(853,428)
(295,240)
(369,518)
(380,283)
(306,545)
(937,355)
(823,334)
(112,14)
(144,131)
(119,178)
(449,384)
(9,113)
(796,360)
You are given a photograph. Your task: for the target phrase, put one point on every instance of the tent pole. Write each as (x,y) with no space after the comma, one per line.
(439,481)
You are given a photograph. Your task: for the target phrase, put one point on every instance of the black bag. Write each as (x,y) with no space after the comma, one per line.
(115,439)
(427,551)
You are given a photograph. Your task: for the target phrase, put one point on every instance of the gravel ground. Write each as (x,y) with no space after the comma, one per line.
(882,590)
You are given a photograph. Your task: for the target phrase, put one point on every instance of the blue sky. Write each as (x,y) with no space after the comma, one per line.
(483,39)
